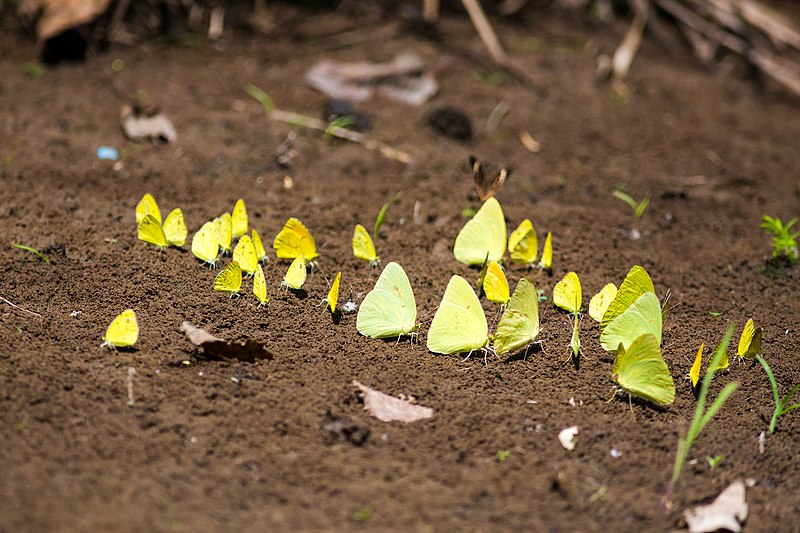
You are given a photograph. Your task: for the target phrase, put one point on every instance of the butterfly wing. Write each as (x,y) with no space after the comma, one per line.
(546,262)
(519,325)
(123,330)
(363,247)
(229,279)
(750,341)
(224,232)
(261,253)
(495,284)
(295,240)
(147,206)
(459,324)
(295,277)
(641,371)
(567,293)
(636,283)
(239,222)
(175,228)
(204,243)
(694,373)
(333,294)
(150,231)
(484,233)
(644,316)
(389,309)
(245,254)
(523,244)
(600,301)
(260,286)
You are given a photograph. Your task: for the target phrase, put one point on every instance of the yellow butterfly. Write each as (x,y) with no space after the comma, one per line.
(495,284)
(147,206)
(261,253)
(567,293)
(459,324)
(229,279)
(173,232)
(567,296)
(363,247)
(724,362)
(204,244)
(483,234)
(519,325)
(123,331)
(546,262)
(641,371)
(750,341)
(389,309)
(694,373)
(600,301)
(523,244)
(333,294)
(636,283)
(224,232)
(260,286)
(296,275)
(293,241)
(239,220)
(245,254)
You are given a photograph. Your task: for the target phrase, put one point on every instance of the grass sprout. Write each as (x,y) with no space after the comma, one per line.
(713,462)
(780,403)
(33,251)
(382,215)
(638,207)
(784,241)
(702,416)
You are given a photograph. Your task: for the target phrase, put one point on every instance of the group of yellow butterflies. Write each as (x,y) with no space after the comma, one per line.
(630,317)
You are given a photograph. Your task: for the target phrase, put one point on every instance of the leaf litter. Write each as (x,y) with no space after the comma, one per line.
(388,408)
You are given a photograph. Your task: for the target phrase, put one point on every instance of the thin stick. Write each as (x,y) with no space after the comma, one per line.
(12,304)
(131,373)
(623,57)
(485,31)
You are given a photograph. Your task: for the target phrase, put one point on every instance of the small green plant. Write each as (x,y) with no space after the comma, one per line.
(784,241)
(469,212)
(701,416)
(382,215)
(502,455)
(638,207)
(780,403)
(32,250)
(343,122)
(713,462)
(364,514)
(716,314)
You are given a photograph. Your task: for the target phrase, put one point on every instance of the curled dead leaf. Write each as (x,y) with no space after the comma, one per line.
(147,125)
(249,351)
(388,408)
(728,511)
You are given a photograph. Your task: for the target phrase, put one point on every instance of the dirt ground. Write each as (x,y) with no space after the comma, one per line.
(220,446)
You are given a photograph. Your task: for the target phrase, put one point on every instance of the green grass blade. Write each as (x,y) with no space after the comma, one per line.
(717,404)
(262,97)
(640,209)
(771,377)
(382,215)
(625,197)
(32,250)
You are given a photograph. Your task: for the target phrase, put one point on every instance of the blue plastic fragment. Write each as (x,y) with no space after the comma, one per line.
(107,152)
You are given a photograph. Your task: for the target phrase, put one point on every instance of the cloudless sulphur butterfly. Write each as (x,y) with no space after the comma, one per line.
(484,233)
(295,276)
(147,206)
(123,331)
(523,244)
(600,301)
(519,325)
(204,243)
(295,240)
(229,279)
(750,341)
(260,286)
(239,222)
(495,284)
(459,324)
(245,254)
(389,309)
(363,247)
(644,316)
(641,371)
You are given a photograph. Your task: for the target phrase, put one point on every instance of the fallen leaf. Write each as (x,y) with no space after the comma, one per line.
(388,408)
(728,511)
(567,437)
(147,125)
(404,79)
(249,351)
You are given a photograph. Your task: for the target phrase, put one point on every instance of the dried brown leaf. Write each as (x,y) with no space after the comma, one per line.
(388,408)
(249,351)
(728,511)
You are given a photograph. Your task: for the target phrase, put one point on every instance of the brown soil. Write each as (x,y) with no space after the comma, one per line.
(201,451)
